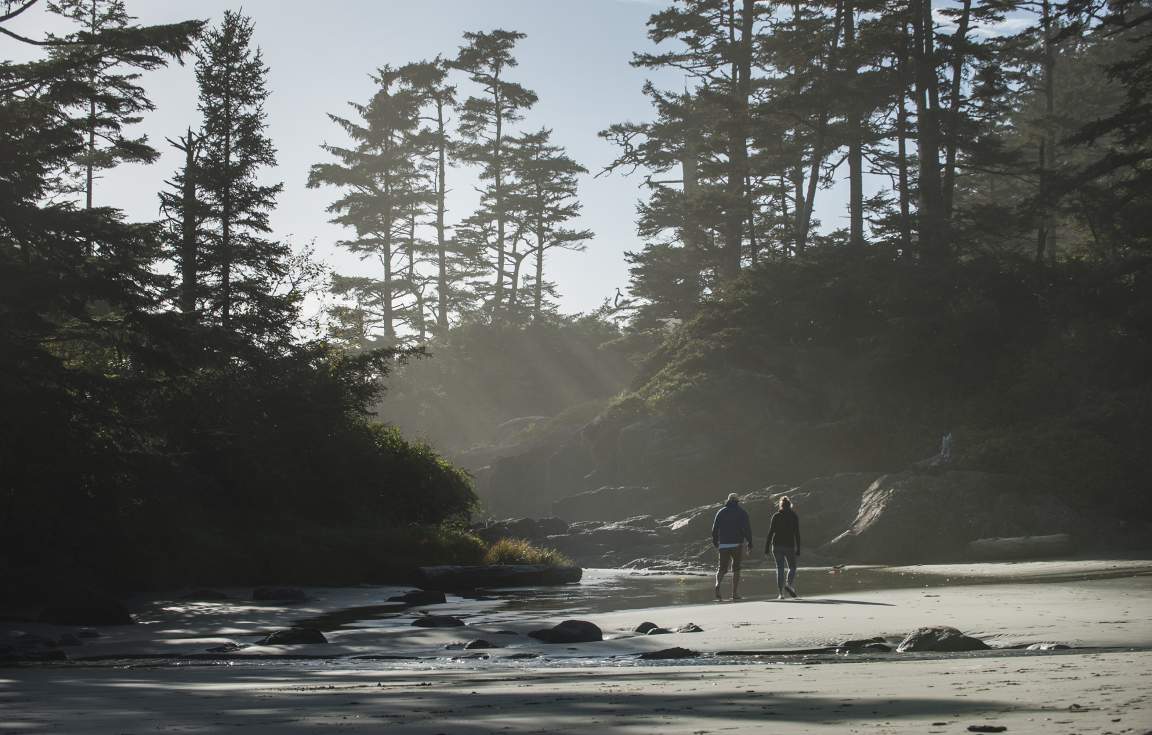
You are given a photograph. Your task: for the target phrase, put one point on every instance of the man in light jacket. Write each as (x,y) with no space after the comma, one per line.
(731,531)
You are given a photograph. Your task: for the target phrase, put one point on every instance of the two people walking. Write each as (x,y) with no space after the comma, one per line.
(732,532)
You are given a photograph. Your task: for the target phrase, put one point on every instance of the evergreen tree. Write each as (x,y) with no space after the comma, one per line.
(241,264)
(484,123)
(437,99)
(544,198)
(384,189)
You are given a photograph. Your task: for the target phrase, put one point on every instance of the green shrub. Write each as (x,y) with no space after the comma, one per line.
(522,551)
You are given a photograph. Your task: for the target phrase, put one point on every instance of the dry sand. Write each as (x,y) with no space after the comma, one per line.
(1104,689)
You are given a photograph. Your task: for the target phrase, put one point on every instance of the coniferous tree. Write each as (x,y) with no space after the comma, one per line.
(545,198)
(384,188)
(243,263)
(484,129)
(437,99)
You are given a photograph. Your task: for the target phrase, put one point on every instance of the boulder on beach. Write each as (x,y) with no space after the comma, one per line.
(292,637)
(569,631)
(669,653)
(644,627)
(279,594)
(438,621)
(85,608)
(1022,547)
(420,597)
(941,639)
(689,628)
(919,517)
(461,577)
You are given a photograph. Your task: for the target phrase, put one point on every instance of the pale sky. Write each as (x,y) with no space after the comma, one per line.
(575,57)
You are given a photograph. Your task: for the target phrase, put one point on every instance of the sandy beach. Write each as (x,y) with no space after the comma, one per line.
(1100,685)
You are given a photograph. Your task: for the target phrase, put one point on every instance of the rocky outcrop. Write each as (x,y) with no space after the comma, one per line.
(292,637)
(279,594)
(420,597)
(1022,547)
(532,529)
(940,639)
(453,578)
(438,621)
(85,608)
(569,631)
(612,503)
(916,517)
(669,653)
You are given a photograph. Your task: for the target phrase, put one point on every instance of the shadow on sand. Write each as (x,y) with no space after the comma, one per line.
(221,700)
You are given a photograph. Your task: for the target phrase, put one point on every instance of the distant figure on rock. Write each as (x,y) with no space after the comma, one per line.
(731,530)
(946,447)
(784,544)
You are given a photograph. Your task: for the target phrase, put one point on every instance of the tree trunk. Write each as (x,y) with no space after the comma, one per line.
(1045,238)
(226,221)
(902,146)
(441,239)
(188,231)
(498,190)
(741,90)
(952,137)
(855,136)
(932,244)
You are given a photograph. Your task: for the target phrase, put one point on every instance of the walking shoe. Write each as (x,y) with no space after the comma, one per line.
(737,597)
(791,590)
(780,597)
(718,597)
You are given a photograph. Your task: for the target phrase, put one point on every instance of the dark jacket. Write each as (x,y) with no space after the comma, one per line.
(784,533)
(731,525)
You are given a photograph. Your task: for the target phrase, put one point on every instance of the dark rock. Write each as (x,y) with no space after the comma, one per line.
(292,636)
(569,631)
(858,644)
(532,529)
(669,653)
(205,596)
(521,656)
(27,641)
(68,639)
(420,597)
(916,517)
(438,621)
(86,608)
(876,648)
(690,628)
(987,728)
(1022,547)
(279,594)
(644,627)
(478,644)
(497,575)
(609,503)
(940,638)
(228,647)
(658,631)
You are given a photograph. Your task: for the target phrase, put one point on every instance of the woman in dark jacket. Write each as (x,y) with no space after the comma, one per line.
(784,545)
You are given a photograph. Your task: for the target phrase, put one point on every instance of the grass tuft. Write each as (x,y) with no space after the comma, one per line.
(522,551)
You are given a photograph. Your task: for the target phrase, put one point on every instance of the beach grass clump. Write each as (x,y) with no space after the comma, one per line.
(523,551)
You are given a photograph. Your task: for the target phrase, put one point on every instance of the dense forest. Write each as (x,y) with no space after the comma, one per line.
(168,416)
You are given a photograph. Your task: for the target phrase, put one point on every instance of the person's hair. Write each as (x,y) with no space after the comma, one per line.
(785,502)
(733,498)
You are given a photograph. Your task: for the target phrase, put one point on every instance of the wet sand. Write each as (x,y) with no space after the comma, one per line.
(1103,686)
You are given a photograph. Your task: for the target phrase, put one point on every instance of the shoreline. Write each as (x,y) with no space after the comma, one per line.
(1102,685)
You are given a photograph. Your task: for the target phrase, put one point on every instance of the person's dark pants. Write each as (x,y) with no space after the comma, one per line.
(784,557)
